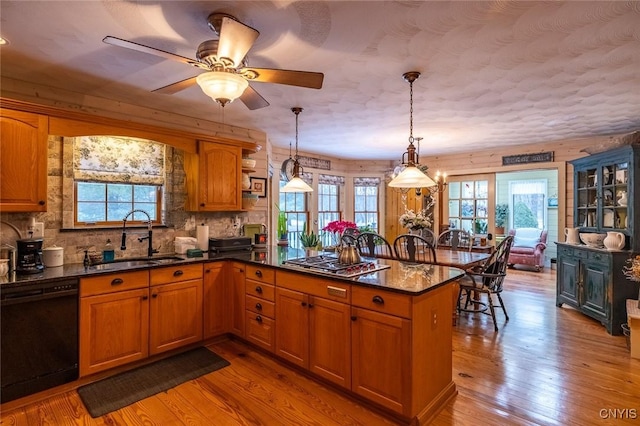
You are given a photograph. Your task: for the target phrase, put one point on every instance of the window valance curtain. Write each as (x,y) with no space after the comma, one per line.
(118,159)
(366,181)
(331,180)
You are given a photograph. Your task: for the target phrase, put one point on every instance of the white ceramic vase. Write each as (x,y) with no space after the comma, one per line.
(614,241)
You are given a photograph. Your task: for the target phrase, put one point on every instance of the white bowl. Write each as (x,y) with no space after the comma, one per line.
(592,239)
(248,163)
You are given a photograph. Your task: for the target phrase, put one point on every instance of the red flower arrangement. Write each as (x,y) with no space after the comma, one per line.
(338,226)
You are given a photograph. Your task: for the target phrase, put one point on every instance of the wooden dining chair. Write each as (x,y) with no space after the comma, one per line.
(371,244)
(428,235)
(486,279)
(414,248)
(455,239)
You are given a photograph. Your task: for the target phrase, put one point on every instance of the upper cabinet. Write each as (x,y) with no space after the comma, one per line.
(214,177)
(23,161)
(604,189)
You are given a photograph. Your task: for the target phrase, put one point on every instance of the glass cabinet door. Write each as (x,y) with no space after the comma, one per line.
(614,196)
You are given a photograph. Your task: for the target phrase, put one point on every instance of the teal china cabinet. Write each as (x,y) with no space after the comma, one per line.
(590,279)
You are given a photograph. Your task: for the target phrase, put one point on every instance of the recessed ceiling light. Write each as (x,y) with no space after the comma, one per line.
(3,41)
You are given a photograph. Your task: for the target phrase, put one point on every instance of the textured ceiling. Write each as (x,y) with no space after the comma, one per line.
(498,73)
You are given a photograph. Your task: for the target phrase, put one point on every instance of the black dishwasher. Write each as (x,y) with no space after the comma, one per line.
(39,340)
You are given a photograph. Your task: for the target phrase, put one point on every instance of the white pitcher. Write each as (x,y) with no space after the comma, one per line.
(572,235)
(614,240)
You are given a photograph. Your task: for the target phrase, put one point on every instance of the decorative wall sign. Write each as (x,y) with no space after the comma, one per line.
(315,163)
(541,157)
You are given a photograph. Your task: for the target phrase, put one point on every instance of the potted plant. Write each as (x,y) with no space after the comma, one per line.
(282,229)
(309,240)
(502,216)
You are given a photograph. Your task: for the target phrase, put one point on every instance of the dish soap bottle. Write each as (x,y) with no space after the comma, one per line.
(108,254)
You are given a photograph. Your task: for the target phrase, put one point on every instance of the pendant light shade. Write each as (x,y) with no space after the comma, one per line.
(296,184)
(411,176)
(222,87)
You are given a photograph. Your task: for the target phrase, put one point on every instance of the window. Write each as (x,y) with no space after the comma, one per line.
(366,203)
(294,205)
(468,205)
(114,175)
(529,203)
(328,203)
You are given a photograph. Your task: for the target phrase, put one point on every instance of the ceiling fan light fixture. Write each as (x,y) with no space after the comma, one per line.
(223,87)
(296,184)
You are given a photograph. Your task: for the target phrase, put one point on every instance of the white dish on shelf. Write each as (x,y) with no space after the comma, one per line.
(593,239)
(248,163)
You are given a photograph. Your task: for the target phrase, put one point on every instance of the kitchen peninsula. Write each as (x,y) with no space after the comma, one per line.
(383,338)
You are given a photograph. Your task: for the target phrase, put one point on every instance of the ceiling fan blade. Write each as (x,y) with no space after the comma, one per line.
(235,40)
(312,80)
(152,51)
(252,99)
(176,87)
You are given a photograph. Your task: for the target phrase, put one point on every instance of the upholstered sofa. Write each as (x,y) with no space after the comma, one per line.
(528,247)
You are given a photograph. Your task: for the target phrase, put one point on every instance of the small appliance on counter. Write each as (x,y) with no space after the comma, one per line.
(29,260)
(257,233)
(53,256)
(229,244)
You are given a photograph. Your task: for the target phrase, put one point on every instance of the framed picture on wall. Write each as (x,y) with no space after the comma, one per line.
(259,186)
(553,202)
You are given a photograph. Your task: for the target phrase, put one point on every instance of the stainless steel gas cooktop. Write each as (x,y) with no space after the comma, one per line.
(328,264)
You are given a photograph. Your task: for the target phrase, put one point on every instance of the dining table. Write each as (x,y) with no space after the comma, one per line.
(462,259)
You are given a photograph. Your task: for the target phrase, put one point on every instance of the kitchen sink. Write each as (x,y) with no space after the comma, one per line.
(128,263)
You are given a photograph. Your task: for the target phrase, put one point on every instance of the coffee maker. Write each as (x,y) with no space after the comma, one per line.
(29,256)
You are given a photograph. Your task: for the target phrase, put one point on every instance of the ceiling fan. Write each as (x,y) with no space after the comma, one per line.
(224,61)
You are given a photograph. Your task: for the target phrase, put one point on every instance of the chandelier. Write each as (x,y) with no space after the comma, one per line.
(296,184)
(411,176)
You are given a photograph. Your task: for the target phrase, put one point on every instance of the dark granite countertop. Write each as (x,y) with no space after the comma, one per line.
(400,277)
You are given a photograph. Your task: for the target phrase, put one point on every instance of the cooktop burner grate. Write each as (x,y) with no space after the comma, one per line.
(328,264)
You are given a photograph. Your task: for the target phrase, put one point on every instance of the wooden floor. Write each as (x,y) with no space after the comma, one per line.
(546,366)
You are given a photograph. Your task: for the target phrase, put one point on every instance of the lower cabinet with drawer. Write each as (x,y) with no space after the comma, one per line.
(175,313)
(591,280)
(260,307)
(114,320)
(314,325)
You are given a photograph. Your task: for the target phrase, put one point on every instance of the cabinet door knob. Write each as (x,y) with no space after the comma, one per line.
(259,319)
(117,281)
(145,297)
(41,202)
(259,273)
(378,300)
(178,273)
(259,306)
(201,204)
(303,303)
(353,318)
(154,295)
(258,289)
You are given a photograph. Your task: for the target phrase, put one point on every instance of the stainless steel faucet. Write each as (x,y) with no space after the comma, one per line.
(123,246)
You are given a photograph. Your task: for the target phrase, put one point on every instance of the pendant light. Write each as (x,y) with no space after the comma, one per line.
(411,176)
(296,184)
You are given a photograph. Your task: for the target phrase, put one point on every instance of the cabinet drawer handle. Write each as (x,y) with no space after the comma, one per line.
(258,289)
(303,303)
(378,300)
(178,273)
(154,295)
(259,318)
(117,281)
(259,306)
(353,318)
(145,297)
(41,202)
(259,273)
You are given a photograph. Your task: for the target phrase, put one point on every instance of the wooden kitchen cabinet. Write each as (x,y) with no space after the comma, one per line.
(237,299)
(409,366)
(214,178)
(214,303)
(23,161)
(114,320)
(175,312)
(313,327)
(260,306)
